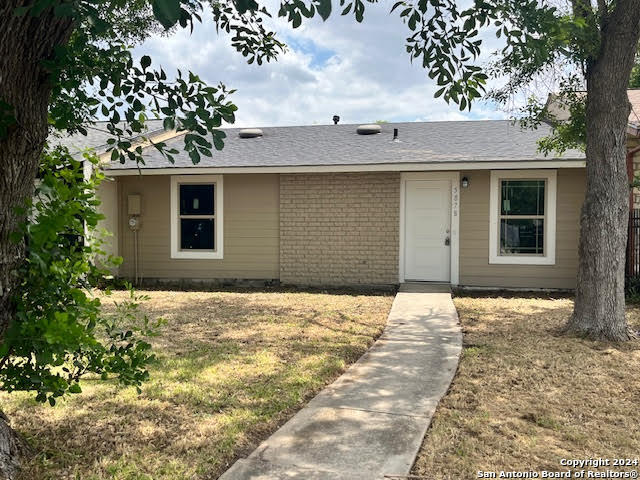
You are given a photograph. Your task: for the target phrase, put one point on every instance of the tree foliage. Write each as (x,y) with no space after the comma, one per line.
(60,332)
(94,74)
(634,81)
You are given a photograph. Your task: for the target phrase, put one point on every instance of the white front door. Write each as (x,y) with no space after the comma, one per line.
(427,230)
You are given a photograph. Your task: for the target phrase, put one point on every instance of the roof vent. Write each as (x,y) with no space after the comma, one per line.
(250,133)
(368,129)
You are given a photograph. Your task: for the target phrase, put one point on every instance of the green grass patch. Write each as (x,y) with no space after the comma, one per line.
(231,367)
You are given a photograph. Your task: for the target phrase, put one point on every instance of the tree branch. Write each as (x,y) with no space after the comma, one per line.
(603,10)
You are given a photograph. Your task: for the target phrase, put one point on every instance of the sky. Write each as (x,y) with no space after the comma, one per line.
(360,72)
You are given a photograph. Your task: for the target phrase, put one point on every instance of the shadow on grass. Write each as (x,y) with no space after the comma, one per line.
(231,367)
(354,290)
(498,293)
(202,322)
(523,397)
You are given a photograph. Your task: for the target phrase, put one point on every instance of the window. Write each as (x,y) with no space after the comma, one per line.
(196,216)
(522,217)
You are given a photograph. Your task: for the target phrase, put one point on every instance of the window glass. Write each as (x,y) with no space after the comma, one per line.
(522,197)
(196,234)
(522,217)
(196,199)
(522,236)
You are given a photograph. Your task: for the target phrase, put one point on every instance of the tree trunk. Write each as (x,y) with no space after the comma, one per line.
(11,449)
(25,42)
(599,310)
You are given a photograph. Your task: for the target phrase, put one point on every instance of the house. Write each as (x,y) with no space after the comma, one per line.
(559,112)
(470,203)
(633,142)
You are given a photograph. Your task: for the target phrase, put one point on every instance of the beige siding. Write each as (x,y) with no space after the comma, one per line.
(339,229)
(475,269)
(107,192)
(251,230)
(334,229)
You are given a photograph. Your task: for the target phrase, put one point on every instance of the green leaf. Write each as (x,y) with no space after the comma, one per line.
(202,141)
(21,11)
(169,123)
(297,20)
(244,5)
(324,8)
(194,156)
(145,61)
(167,12)
(396,5)
(64,10)
(75,388)
(413,20)
(218,143)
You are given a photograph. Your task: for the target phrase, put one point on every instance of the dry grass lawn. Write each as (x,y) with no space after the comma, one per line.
(525,397)
(231,367)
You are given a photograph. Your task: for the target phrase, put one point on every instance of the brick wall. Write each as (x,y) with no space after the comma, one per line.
(339,229)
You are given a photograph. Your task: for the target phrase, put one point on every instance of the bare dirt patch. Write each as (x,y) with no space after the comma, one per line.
(524,396)
(231,367)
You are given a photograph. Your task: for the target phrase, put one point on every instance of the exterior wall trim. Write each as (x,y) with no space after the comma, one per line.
(399,167)
(454,178)
(549,257)
(219,219)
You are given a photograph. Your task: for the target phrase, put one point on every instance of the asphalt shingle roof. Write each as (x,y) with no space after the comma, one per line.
(558,111)
(96,137)
(321,145)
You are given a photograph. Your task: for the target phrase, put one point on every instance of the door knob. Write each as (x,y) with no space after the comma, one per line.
(447,241)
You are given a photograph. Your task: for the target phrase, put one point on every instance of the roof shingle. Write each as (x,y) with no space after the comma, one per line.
(327,145)
(96,137)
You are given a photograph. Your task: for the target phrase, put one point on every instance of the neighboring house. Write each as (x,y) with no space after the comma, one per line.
(468,203)
(633,141)
(560,113)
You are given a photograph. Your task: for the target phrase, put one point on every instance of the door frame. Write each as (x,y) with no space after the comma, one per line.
(454,181)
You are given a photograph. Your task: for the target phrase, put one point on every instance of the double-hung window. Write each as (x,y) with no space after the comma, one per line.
(522,217)
(196,216)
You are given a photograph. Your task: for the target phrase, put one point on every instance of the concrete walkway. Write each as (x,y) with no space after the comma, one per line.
(369,424)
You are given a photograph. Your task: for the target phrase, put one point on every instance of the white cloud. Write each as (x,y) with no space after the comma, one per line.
(358,71)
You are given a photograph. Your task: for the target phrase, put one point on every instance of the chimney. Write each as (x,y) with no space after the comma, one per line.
(395,134)
(336,119)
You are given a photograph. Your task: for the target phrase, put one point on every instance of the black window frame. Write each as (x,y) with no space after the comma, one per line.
(541,250)
(209,216)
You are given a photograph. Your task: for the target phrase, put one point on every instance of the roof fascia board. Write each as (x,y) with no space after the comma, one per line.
(398,167)
(144,140)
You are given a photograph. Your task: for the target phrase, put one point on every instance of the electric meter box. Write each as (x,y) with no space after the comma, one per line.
(133,204)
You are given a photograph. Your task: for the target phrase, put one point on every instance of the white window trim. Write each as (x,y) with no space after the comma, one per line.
(549,258)
(454,178)
(177,180)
